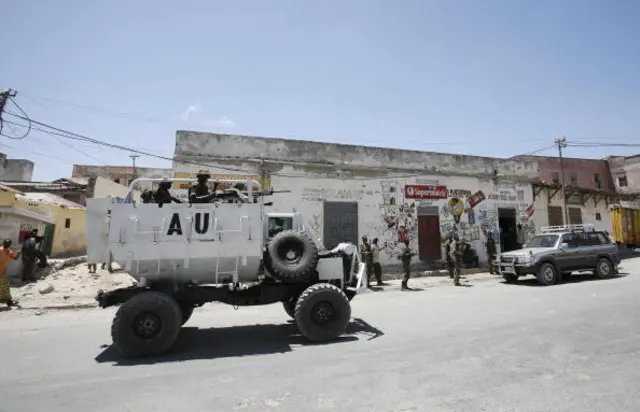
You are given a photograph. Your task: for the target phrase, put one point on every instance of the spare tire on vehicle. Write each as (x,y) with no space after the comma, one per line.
(292,256)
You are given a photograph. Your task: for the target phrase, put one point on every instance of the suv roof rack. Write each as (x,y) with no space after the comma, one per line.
(568,228)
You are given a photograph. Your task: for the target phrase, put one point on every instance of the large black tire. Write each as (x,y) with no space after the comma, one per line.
(290,307)
(604,268)
(292,256)
(146,325)
(322,312)
(510,277)
(547,274)
(187,311)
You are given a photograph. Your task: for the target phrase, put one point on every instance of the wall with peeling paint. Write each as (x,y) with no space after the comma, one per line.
(591,210)
(375,178)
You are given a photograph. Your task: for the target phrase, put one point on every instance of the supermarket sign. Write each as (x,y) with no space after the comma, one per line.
(425,192)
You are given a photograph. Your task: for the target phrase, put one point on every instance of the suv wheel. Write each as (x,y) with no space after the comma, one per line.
(547,274)
(604,268)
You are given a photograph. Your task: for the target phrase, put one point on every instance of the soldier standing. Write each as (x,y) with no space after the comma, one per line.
(405,256)
(367,258)
(447,253)
(377,269)
(490,246)
(455,251)
(199,191)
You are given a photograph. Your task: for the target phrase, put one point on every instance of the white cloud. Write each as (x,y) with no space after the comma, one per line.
(186,115)
(195,112)
(223,121)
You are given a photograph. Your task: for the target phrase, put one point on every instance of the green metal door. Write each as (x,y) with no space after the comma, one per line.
(47,242)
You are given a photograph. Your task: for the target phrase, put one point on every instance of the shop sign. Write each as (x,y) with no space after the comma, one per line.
(475,199)
(425,192)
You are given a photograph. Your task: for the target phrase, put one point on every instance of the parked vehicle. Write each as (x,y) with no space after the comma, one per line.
(558,251)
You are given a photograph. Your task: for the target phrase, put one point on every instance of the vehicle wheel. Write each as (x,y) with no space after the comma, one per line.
(509,277)
(187,311)
(604,268)
(290,307)
(547,274)
(147,324)
(322,312)
(293,256)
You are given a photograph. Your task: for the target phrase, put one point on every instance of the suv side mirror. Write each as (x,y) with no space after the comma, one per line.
(564,245)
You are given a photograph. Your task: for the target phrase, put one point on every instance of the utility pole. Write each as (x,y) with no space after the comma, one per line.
(133,158)
(562,142)
(5,94)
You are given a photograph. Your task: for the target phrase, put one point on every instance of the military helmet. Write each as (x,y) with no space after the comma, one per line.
(203,172)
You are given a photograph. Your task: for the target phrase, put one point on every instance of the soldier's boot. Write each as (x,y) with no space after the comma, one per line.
(404,286)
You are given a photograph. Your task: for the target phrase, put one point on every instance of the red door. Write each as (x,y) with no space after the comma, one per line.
(429,238)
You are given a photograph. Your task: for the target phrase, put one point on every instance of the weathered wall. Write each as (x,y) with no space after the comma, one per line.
(19,170)
(588,211)
(121,174)
(628,167)
(10,226)
(584,170)
(323,159)
(375,178)
(107,188)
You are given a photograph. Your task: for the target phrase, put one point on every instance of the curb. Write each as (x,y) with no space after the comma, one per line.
(60,307)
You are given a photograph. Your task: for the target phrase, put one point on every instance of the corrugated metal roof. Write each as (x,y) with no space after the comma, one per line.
(51,198)
(83,181)
(9,189)
(25,186)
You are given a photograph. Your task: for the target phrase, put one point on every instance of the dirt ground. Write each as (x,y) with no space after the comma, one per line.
(69,286)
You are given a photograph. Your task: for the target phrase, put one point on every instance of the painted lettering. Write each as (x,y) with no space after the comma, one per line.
(425,192)
(202,223)
(175,227)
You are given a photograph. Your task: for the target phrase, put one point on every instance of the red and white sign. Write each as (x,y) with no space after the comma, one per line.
(425,192)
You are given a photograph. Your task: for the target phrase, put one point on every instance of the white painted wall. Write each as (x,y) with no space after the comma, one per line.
(10,226)
(375,210)
(106,188)
(589,210)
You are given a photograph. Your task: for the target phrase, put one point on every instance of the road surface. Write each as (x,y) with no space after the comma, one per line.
(485,347)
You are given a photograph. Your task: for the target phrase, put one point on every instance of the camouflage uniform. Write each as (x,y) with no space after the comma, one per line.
(454,253)
(367,258)
(491,253)
(405,257)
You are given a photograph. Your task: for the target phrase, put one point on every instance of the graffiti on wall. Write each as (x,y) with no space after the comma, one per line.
(314,194)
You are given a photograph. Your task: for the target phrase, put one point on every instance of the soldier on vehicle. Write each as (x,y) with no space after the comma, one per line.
(163,195)
(367,258)
(405,256)
(490,246)
(199,192)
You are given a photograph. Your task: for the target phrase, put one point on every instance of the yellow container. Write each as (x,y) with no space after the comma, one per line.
(626,225)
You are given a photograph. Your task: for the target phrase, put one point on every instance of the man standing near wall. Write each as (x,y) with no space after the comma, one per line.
(367,257)
(405,256)
(377,269)
(490,246)
(455,251)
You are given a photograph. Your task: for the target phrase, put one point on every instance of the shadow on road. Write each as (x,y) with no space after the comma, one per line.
(575,278)
(195,343)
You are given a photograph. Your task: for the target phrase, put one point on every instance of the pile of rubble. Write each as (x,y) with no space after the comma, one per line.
(67,283)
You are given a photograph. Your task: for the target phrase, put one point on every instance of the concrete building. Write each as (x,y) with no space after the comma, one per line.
(625,172)
(119,174)
(17,170)
(346,191)
(72,189)
(589,189)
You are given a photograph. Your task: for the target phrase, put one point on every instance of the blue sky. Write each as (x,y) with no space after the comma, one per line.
(497,78)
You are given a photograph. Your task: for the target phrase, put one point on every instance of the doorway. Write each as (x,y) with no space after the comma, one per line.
(340,223)
(508,231)
(429,245)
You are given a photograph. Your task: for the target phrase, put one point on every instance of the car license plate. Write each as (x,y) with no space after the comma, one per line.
(507,268)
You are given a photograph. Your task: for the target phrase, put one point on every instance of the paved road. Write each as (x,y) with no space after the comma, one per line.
(488,347)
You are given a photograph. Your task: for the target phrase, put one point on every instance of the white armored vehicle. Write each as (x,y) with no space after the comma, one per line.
(229,250)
